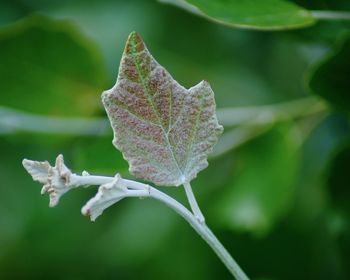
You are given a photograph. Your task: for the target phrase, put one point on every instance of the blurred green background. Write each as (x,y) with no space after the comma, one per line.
(277,189)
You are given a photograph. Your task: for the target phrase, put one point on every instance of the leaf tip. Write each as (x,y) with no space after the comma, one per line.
(133,34)
(86,212)
(134,43)
(205,82)
(26,163)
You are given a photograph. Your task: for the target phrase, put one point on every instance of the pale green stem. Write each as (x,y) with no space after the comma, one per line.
(267,114)
(193,203)
(331,15)
(13,121)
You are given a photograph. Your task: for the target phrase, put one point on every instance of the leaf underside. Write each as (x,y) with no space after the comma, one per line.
(164,131)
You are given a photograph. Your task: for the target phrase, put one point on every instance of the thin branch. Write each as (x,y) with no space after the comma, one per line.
(12,121)
(236,137)
(331,15)
(267,114)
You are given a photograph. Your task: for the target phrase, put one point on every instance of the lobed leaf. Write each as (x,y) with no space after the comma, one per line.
(164,131)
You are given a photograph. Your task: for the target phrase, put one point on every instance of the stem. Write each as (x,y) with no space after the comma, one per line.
(77,180)
(12,121)
(203,231)
(236,137)
(267,114)
(193,203)
(331,15)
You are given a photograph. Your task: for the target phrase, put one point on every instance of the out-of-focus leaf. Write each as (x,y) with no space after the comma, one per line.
(329,77)
(263,187)
(49,67)
(312,197)
(258,14)
(164,130)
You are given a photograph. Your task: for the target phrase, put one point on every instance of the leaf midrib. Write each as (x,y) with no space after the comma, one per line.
(150,101)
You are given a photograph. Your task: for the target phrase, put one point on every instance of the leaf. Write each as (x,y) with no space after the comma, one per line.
(313,193)
(164,131)
(258,14)
(38,170)
(48,67)
(329,77)
(263,187)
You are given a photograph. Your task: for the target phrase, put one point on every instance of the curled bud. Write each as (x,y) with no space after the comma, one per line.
(110,193)
(56,179)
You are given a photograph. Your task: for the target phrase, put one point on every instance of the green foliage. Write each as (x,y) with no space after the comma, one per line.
(300,184)
(47,64)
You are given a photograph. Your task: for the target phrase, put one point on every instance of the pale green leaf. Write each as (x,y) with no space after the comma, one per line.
(164,131)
